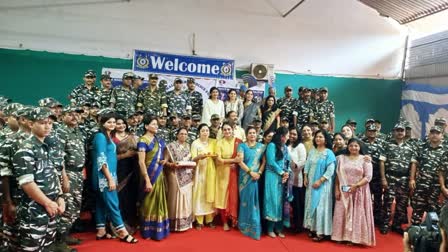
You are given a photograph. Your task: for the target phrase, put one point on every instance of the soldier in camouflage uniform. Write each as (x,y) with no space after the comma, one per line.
(153,97)
(305,108)
(374,148)
(194,97)
(36,176)
(195,121)
(288,105)
(11,194)
(123,98)
(395,161)
(177,100)
(214,126)
(163,132)
(71,142)
(105,91)
(87,92)
(427,188)
(380,134)
(13,125)
(325,109)
(132,121)
(441,122)
(185,123)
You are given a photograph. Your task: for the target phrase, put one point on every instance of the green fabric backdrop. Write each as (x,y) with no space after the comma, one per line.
(31,75)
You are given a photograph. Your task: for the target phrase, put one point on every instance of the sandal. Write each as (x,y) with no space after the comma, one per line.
(311,234)
(199,226)
(106,236)
(126,239)
(318,238)
(211,225)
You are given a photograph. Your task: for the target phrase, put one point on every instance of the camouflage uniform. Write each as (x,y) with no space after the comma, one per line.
(324,111)
(124,100)
(213,132)
(153,101)
(397,159)
(164,133)
(196,101)
(104,96)
(32,164)
(177,103)
(288,106)
(72,143)
(82,95)
(427,191)
(305,112)
(7,151)
(374,149)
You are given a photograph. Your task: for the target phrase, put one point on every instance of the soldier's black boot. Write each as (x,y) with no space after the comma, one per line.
(70,240)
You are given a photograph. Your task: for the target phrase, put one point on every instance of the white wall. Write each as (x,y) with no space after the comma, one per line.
(335,37)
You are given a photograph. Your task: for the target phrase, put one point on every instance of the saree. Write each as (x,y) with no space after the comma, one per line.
(180,189)
(250,113)
(226,194)
(269,119)
(154,208)
(249,214)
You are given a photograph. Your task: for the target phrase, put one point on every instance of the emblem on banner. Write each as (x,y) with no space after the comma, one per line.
(226,69)
(143,62)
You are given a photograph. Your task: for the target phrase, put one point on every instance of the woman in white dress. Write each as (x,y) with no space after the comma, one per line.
(213,106)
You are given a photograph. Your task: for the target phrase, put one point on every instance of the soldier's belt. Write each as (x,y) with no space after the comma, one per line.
(398,173)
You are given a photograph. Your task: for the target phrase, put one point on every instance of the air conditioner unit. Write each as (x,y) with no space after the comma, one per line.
(261,72)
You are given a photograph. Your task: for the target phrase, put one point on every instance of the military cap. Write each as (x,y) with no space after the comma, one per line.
(323,89)
(323,121)
(138,77)
(186,116)
(105,111)
(436,128)
(174,115)
(243,88)
(371,127)
(407,124)
(313,121)
(350,121)
(214,117)
(305,89)
(377,121)
(11,108)
(370,120)
(190,80)
(196,117)
(4,101)
(440,121)
(153,76)
(178,80)
(106,75)
(128,75)
(22,112)
(46,102)
(40,113)
(288,88)
(161,114)
(70,109)
(285,119)
(90,73)
(399,125)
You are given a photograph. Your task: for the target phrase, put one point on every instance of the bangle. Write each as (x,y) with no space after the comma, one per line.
(260,172)
(248,171)
(322,180)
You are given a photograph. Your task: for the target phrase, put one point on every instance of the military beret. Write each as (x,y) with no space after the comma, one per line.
(196,117)
(40,113)
(214,117)
(128,75)
(371,127)
(153,76)
(436,128)
(11,108)
(90,73)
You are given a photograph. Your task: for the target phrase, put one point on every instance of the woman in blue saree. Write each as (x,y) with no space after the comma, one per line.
(251,167)
(153,207)
(277,174)
(318,178)
(104,180)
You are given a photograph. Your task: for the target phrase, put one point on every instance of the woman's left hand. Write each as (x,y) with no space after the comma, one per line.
(353,188)
(317,184)
(255,175)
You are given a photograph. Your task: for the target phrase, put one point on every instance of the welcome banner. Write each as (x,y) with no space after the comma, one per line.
(172,64)
(421,104)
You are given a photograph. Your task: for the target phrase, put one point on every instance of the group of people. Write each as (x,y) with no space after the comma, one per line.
(158,162)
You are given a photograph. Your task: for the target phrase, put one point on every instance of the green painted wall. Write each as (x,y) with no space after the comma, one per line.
(30,75)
